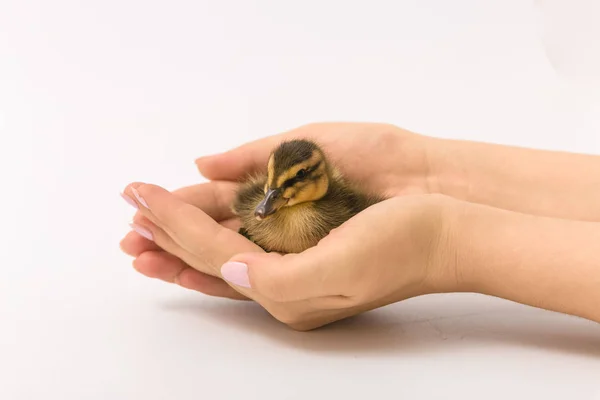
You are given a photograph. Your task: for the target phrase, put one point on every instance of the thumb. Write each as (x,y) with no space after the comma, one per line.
(283,278)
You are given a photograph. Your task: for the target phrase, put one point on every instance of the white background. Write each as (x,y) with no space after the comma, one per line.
(96,94)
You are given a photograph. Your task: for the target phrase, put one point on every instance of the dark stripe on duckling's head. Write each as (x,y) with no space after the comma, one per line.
(292,153)
(293,161)
(299,171)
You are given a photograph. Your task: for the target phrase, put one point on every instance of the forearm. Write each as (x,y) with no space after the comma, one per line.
(543,262)
(547,183)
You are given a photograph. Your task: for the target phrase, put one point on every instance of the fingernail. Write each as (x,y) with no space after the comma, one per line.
(130,201)
(236,273)
(142,231)
(139,198)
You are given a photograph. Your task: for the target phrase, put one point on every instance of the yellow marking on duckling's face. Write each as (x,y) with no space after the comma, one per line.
(291,172)
(293,182)
(270,172)
(312,189)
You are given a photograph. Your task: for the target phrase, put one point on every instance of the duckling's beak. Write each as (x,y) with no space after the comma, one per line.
(269,205)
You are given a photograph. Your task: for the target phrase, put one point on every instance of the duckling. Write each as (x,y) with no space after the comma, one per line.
(300,199)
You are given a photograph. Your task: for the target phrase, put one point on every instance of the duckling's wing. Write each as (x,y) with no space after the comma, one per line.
(248,196)
(244,232)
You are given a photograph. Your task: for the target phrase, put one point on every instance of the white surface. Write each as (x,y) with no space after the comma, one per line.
(94,95)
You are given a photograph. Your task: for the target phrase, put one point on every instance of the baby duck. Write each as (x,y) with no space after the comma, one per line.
(300,199)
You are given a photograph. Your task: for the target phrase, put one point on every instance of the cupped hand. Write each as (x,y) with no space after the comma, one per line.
(385,158)
(168,264)
(389,252)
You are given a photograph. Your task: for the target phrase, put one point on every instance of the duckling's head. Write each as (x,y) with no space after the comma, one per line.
(297,173)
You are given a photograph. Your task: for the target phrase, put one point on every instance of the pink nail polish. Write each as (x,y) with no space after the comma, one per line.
(139,198)
(142,231)
(236,273)
(130,201)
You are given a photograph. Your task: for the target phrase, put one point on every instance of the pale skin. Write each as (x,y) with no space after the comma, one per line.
(519,224)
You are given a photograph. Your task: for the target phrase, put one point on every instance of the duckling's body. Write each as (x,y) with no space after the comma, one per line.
(308,205)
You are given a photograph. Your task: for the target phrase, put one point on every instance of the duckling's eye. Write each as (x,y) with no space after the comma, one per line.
(301,174)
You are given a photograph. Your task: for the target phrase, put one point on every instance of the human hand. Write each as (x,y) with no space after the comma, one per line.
(386,158)
(394,250)
(153,261)
(503,278)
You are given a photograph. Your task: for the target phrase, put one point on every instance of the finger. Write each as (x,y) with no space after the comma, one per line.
(238,162)
(207,284)
(213,198)
(159,264)
(167,267)
(314,273)
(233,224)
(230,223)
(134,244)
(185,224)
(188,227)
(165,242)
(251,157)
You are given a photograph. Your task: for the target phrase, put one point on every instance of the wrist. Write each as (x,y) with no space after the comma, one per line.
(478,240)
(459,255)
(436,166)
(447,167)
(445,271)
(522,258)
(417,167)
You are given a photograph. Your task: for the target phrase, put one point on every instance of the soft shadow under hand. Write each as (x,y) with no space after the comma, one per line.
(432,323)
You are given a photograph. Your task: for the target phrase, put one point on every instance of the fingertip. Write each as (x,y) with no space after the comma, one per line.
(133,244)
(236,273)
(158,265)
(149,188)
(128,190)
(213,167)
(131,194)
(153,197)
(232,164)
(202,161)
